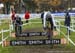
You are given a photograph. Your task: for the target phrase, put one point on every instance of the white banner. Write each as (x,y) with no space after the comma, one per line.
(35,15)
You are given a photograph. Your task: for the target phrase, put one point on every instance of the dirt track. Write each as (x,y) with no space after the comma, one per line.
(39,49)
(34,30)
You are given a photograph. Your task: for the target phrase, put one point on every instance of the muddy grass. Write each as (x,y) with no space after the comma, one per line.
(33,30)
(39,49)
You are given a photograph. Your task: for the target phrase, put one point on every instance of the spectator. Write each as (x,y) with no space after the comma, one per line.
(27,16)
(67,21)
(13,16)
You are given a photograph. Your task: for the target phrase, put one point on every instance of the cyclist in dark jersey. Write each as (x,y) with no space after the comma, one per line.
(18,25)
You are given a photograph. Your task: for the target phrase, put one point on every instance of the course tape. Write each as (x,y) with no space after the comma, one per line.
(66,35)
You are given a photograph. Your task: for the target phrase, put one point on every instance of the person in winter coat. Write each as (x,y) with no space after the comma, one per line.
(12,18)
(13,15)
(67,21)
(27,16)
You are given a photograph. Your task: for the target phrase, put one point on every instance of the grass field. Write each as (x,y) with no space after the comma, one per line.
(68,48)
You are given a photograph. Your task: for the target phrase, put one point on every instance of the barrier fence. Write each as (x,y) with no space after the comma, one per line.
(58,29)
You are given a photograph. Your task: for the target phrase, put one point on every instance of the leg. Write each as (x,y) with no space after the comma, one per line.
(42,20)
(16,29)
(27,21)
(20,29)
(47,24)
(50,30)
(68,30)
(50,33)
(52,27)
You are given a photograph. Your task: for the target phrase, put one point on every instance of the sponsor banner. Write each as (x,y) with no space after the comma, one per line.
(4,16)
(62,15)
(27,34)
(59,15)
(35,15)
(72,14)
(21,15)
(34,42)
